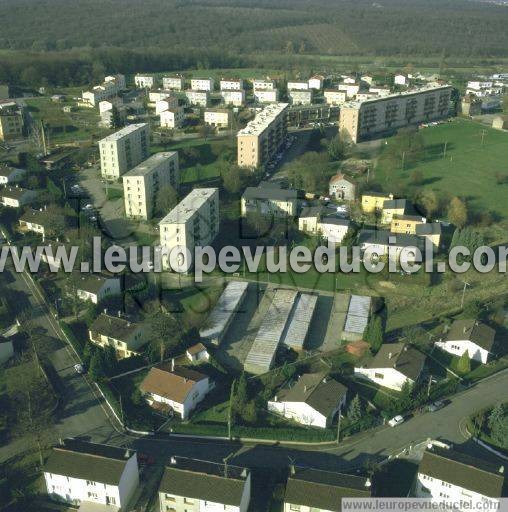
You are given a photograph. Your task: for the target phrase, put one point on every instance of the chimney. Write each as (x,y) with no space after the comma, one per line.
(389,355)
(173,364)
(501,470)
(292,469)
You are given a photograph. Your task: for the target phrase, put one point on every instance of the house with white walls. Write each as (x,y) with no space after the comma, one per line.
(313,400)
(190,485)
(197,352)
(395,365)
(445,474)
(471,336)
(85,474)
(10,174)
(96,287)
(175,389)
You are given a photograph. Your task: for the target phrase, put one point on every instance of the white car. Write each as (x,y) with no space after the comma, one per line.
(396,420)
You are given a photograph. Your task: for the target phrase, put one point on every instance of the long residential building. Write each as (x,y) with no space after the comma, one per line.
(111,86)
(263,136)
(375,117)
(193,222)
(123,150)
(141,184)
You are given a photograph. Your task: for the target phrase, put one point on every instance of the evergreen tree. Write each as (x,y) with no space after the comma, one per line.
(374,333)
(97,369)
(354,412)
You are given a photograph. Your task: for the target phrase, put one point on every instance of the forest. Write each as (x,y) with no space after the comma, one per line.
(80,36)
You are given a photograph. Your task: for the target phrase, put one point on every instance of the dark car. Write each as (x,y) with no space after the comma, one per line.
(435,406)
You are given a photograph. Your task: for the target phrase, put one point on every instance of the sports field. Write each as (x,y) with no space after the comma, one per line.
(474,165)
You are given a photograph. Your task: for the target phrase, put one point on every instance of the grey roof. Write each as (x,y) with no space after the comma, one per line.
(124,132)
(322,393)
(226,307)
(358,314)
(395,203)
(114,327)
(206,481)
(404,358)
(429,228)
(188,206)
(381,237)
(8,170)
(151,163)
(472,330)
(264,192)
(300,320)
(36,217)
(323,489)
(311,211)
(462,470)
(408,217)
(14,192)
(376,194)
(91,283)
(335,219)
(262,352)
(88,461)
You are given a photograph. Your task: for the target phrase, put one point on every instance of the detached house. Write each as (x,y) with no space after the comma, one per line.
(200,486)
(471,336)
(124,336)
(381,243)
(177,389)
(95,288)
(374,201)
(10,175)
(446,474)
(269,199)
(15,197)
(36,221)
(312,490)
(342,187)
(313,400)
(96,476)
(392,207)
(393,366)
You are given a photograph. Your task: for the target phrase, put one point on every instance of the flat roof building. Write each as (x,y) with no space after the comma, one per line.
(193,222)
(142,183)
(372,118)
(123,150)
(263,136)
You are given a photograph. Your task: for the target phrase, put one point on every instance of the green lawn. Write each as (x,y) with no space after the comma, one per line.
(469,168)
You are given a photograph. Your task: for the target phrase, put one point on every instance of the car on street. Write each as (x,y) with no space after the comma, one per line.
(396,420)
(436,406)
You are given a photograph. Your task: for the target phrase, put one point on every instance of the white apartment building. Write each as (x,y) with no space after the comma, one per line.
(263,85)
(350,89)
(202,84)
(219,118)
(193,222)
(263,136)
(232,84)
(198,98)
(335,97)
(111,86)
(166,104)
(106,105)
(233,97)
(145,81)
(172,118)
(301,97)
(142,183)
(298,85)
(190,485)
(447,475)
(123,150)
(316,82)
(266,95)
(160,94)
(173,83)
(94,475)
(470,336)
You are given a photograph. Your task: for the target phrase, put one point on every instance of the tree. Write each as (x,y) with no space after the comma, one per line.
(250,413)
(166,199)
(457,212)
(97,370)
(374,333)
(234,178)
(354,412)
(498,425)
(166,334)
(205,131)
(417,177)
(464,364)
(428,202)
(336,148)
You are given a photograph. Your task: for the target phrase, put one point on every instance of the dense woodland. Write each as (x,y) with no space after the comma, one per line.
(80,37)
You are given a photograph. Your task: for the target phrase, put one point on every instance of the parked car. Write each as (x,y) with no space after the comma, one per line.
(435,406)
(396,420)
(79,368)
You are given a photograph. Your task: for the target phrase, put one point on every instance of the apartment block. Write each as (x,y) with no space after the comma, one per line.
(219,118)
(301,97)
(111,86)
(298,86)
(173,83)
(141,184)
(198,98)
(231,84)
(316,82)
(158,95)
(263,85)
(335,97)
(190,485)
(373,118)
(351,90)
(193,222)
(165,104)
(172,118)
(263,136)
(202,84)
(145,81)
(233,97)
(266,95)
(123,150)
(11,122)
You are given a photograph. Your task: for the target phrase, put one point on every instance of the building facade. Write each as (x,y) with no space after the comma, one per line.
(198,98)
(233,97)
(173,83)
(218,118)
(202,84)
(123,150)
(172,118)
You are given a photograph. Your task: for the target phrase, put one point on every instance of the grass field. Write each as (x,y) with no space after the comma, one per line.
(468,170)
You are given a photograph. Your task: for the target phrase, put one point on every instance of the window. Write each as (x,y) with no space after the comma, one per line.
(188,501)
(296,508)
(379,376)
